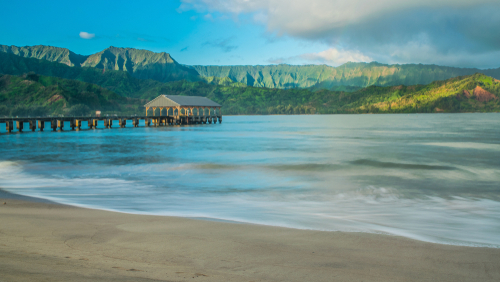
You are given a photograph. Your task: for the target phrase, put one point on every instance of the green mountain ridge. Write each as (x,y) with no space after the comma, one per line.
(141,64)
(144,64)
(474,93)
(120,82)
(59,88)
(357,75)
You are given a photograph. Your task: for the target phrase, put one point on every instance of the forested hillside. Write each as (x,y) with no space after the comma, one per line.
(161,67)
(37,95)
(142,64)
(347,77)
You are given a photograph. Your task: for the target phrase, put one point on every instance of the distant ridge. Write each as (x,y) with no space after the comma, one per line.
(49,53)
(350,74)
(144,64)
(141,64)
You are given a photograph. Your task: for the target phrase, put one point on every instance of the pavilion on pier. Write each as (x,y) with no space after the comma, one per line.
(176,105)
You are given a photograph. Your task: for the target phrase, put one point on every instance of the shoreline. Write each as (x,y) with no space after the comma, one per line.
(9,195)
(43,240)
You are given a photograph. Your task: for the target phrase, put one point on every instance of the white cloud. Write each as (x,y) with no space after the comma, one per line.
(300,17)
(450,27)
(331,56)
(86,35)
(336,57)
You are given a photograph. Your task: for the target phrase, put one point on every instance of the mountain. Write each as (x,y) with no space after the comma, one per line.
(120,82)
(33,82)
(347,77)
(49,53)
(162,67)
(472,93)
(141,64)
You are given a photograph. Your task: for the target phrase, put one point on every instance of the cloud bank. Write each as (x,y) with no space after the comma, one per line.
(452,32)
(86,35)
(332,56)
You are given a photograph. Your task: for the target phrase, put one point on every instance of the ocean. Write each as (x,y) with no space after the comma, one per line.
(429,177)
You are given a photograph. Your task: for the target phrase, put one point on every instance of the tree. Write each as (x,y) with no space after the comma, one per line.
(79,110)
(4,111)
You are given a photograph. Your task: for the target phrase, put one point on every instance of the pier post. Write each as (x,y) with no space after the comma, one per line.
(78,124)
(90,123)
(95,122)
(72,124)
(41,125)
(110,123)
(53,124)
(33,125)
(147,122)
(122,122)
(60,124)
(20,125)
(9,126)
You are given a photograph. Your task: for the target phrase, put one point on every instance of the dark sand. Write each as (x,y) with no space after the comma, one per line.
(42,241)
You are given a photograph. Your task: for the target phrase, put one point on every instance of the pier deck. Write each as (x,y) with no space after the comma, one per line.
(56,123)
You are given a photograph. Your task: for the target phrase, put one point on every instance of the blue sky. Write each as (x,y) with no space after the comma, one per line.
(234,32)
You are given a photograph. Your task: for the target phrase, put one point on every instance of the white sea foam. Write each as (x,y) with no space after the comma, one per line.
(466,145)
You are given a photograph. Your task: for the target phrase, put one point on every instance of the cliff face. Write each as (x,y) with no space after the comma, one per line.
(349,74)
(139,63)
(162,67)
(49,53)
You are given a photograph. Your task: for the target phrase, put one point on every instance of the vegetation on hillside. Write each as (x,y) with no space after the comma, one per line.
(29,83)
(462,94)
(36,95)
(161,67)
(141,64)
(347,77)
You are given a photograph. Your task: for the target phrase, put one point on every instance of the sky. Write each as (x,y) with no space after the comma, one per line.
(460,33)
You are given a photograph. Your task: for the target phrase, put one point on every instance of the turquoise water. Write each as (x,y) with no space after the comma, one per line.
(432,177)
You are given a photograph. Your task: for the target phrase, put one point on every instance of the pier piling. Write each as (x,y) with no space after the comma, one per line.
(60,124)
(20,125)
(32,125)
(41,125)
(9,126)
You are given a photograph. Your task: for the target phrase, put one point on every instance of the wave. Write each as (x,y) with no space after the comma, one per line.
(373,163)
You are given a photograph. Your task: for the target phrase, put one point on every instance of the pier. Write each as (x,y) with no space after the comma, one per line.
(178,110)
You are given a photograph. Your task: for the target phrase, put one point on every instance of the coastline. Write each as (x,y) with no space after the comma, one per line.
(43,240)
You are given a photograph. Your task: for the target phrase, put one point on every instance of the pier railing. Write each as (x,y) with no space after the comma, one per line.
(56,123)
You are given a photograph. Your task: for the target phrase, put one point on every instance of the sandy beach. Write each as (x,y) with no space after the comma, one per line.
(41,241)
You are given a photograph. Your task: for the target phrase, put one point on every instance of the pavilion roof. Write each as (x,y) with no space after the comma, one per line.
(180,101)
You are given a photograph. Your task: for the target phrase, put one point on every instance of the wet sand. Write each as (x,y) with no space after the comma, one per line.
(42,241)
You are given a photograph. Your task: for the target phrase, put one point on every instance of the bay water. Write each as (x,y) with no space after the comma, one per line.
(430,177)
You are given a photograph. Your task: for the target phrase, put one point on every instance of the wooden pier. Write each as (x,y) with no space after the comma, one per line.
(58,123)
(179,110)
